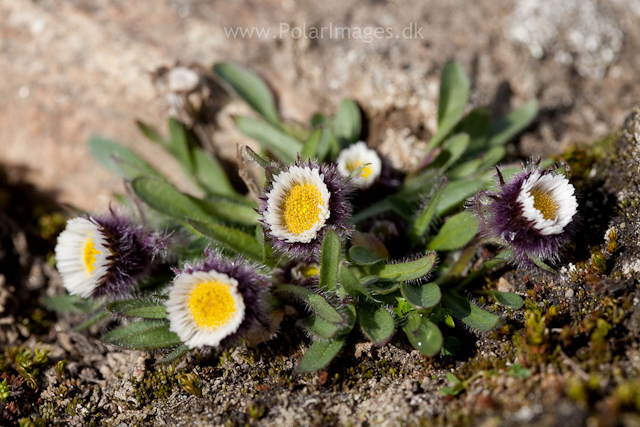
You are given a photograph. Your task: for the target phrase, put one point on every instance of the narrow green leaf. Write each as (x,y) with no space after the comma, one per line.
(148,308)
(225,210)
(543,265)
(320,354)
(476,125)
(377,323)
(347,122)
(164,198)
(320,327)
(143,337)
(351,284)
(92,320)
(251,88)
(180,145)
(261,161)
(454,94)
(68,304)
(284,146)
(175,353)
(363,256)
(465,169)
(456,192)
(493,157)
(231,238)
(133,328)
(151,134)
(421,296)
(119,159)
(330,143)
(456,232)
(310,147)
(316,301)
(402,206)
(452,149)
(468,312)
(329,262)
(507,299)
(501,258)
(384,288)
(423,220)
(405,271)
(296,130)
(423,335)
(513,123)
(210,174)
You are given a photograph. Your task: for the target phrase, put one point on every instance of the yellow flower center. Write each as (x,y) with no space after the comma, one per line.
(302,207)
(90,253)
(545,204)
(309,270)
(354,165)
(211,304)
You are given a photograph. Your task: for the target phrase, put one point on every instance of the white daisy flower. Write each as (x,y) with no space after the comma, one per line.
(548,202)
(297,206)
(356,155)
(205,307)
(82,256)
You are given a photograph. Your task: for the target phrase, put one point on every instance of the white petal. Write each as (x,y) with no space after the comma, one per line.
(181,320)
(360,154)
(282,185)
(563,195)
(70,256)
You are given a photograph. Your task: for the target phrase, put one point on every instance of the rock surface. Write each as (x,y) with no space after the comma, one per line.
(75,69)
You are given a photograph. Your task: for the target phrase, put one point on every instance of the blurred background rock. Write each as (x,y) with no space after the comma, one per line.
(76,68)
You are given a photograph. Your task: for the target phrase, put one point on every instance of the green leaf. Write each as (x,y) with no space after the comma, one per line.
(316,301)
(164,198)
(119,160)
(351,284)
(180,145)
(405,271)
(403,207)
(452,149)
(423,220)
(92,320)
(377,323)
(501,258)
(507,299)
(210,174)
(468,312)
(320,327)
(296,130)
(231,238)
(465,169)
(511,124)
(454,94)
(329,262)
(516,370)
(363,256)
(449,346)
(543,265)
(456,232)
(143,335)
(251,88)
(151,134)
(310,147)
(423,335)
(175,353)
(347,122)
(456,192)
(421,296)
(384,288)
(493,157)
(148,308)
(227,210)
(320,354)
(68,304)
(476,125)
(282,145)
(329,144)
